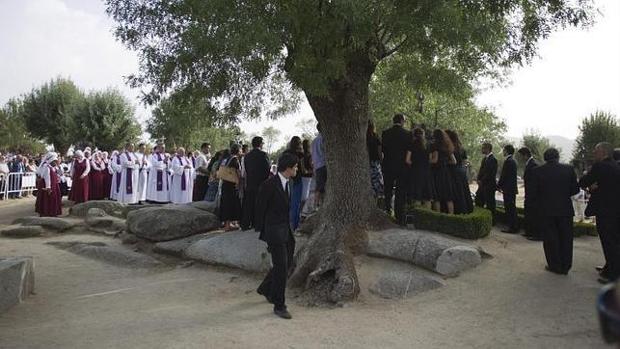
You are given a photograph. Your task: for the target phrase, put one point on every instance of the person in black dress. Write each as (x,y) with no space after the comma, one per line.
(442,155)
(375,155)
(421,182)
(230,204)
(463,203)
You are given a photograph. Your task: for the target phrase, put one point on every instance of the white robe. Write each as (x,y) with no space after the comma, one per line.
(177,194)
(143,176)
(158,164)
(115,171)
(127,163)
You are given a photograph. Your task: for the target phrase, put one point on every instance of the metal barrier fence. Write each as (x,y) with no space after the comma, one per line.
(17,184)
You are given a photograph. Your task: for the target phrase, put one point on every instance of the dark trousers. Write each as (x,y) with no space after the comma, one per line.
(532,227)
(274,284)
(485,197)
(510,206)
(558,242)
(608,228)
(247,208)
(398,181)
(201,183)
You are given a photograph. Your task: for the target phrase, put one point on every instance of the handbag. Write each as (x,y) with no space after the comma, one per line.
(228,174)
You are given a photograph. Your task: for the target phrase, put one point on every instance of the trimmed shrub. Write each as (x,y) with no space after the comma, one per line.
(469,226)
(579,228)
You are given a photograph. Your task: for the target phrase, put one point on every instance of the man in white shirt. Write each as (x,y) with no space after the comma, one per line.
(130,166)
(181,186)
(158,188)
(202,176)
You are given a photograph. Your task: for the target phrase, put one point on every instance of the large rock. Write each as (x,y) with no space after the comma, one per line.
(170,222)
(111,208)
(204,205)
(109,254)
(401,284)
(177,247)
(22,232)
(238,249)
(16,281)
(53,223)
(131,208)
(442,255)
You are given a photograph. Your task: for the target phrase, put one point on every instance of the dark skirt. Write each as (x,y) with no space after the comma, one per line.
(421,184)
(200,188)
(230,204)
(463,203)
(79,190)
(443,184)
(49,203)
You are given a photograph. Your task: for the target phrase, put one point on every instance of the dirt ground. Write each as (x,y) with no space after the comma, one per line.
(509,301)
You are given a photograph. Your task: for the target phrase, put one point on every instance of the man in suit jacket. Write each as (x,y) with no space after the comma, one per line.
(531,213)
(396,141)
(507,185)
(256,166)
(553,184)
(603,182)
(487,184)
(273,223)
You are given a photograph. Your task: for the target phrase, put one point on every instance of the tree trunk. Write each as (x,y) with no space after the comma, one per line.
(324,266)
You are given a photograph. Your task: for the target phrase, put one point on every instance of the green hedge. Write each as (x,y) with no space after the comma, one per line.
(469,226)
(579,228)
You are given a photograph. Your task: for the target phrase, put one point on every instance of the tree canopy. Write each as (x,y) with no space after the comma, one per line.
(599,127)
(14,136)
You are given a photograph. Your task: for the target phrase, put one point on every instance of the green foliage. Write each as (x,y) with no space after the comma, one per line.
(244,56)
(48,112)
(598,127)
(536,143)
(188,122)
(13,134)
(105,119)
(270,137)
(475,225)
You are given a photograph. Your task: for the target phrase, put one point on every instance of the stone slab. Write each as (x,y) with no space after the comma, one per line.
(53,223)
(16,281)
(22,232)
(403,284)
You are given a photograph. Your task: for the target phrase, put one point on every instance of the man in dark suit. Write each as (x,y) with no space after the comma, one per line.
(396,141)
(603,182)
(256,166)
(272,221)
(487,183)
(532,231)
(507,185)
(553,184)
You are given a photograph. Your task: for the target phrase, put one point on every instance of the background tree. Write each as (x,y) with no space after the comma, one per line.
(188,122)
(245,55)
(598,127)
(537,143)
(49,111)
(271,136)
(14,136)
(105,119)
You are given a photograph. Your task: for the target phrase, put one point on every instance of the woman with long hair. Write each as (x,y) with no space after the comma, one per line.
(295,148)
(421,180)
(375,155)
(214,183)
(442,155)
(463,203)
(230,204)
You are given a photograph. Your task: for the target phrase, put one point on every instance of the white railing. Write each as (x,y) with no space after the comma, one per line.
(18,184)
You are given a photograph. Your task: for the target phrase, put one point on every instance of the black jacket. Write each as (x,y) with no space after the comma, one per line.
(488,172)
(396,142)
(272,212)
(508,177)
(527,174)
(552,186)
(605,201)
(257,168)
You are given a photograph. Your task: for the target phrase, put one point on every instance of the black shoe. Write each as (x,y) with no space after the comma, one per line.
(600,268)
(264,295)
(533,238)
(555,271)
(283,313)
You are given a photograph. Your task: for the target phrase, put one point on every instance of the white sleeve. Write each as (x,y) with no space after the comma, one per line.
(45,174)
(158,165)
(177,167)
(87,171)
(125,162)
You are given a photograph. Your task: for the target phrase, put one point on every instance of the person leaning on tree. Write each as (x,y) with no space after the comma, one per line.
(603,182)
(553,184)
(274,224)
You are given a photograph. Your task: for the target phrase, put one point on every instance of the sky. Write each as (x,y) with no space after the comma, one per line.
(576,73)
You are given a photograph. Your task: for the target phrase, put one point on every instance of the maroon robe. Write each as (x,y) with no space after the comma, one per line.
(107,180)
(79,187)
(96,187)
(49,202)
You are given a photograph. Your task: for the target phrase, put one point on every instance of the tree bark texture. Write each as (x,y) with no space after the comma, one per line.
(324,266)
